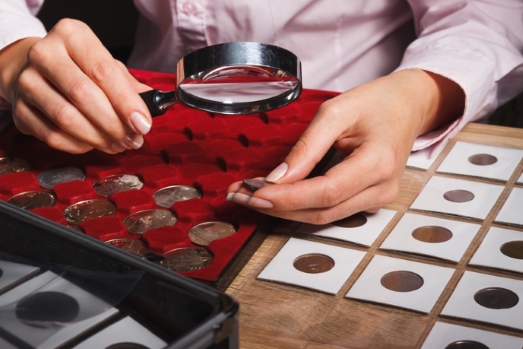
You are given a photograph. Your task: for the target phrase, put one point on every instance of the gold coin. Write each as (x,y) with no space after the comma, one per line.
(313,263)
(30,200)
(458,195)
(513,249)
(402,281)
(432,234)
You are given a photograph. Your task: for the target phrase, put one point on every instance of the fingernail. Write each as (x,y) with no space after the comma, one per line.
(140,123)
(239,198)
(117,147)
(277,173)
(133,141)
(260,203)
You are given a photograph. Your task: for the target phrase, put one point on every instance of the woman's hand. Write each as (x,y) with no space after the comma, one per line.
(374,126)
(68,91)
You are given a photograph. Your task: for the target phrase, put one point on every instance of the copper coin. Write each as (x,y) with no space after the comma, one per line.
(89,209)
(458,195)
(513,249)
(466,344)
(33,199)
(314,263)
(167,196)
(109,185)
(432,234)
(354,221)
(139,222)
(49,178)
(482,159)
(135,246)
(11,164)
(187,259)
(254,184)
(204,233)
(496,298)
(127,345)
(47,309)
(402,281)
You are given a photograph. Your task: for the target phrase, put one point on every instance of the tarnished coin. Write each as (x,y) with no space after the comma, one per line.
(496,298)
(127,345)
(482,159)
(466,344)
(89,209)
(167,196)
(187,259)
(203,233)
(49,178)
(254,184)
(47,309)
(11,164)
(402,281)
(432,234)
(139,222)
(314,263)
(135,246)
(458,195)
(33,199)
(109,185)
(354,221)
(513,249)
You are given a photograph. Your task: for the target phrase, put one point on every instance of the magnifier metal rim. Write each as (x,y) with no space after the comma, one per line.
(238,54)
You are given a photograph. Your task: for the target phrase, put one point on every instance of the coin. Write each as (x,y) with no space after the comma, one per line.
(203,233)
(49,178)
(89,209)
(432,234)
(458,195)
(513,249)
(130,245)
(496,298)
(354,221)
(33,199)
(482,159)
(466,344)
(167,196)
(109,185)
(47,309)
(127,345)
(139,222)
(187,259)
(402,281)
(254,184)
(11,164)
(313,263)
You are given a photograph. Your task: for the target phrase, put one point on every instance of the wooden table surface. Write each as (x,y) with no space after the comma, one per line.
(277,315)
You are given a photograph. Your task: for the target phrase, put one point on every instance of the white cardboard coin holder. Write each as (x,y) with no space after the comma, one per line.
(363,235)
(457,161)
(281,267)
(424,158)
(369,287)
(512,210)
(462,304)
(444,334)
(401,237)
(489,252)
(520,179)
(431,197)
(14,273)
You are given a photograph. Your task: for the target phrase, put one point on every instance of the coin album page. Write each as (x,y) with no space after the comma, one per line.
(502,248)
(510,213)
(424,158)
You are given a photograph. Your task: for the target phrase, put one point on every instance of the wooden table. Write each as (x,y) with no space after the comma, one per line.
(276,315)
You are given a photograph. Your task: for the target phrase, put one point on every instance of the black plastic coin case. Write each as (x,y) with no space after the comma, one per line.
(184,147)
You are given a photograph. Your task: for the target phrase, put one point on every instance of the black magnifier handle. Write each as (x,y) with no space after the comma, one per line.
(158,101)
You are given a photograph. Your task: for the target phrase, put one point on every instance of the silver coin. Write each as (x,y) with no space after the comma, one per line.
(49,178)
(33,199)
(130,245)
(204,233)
(140,222)
(187,259)
(11,164)
(109,185)
(89,209)
(167,196)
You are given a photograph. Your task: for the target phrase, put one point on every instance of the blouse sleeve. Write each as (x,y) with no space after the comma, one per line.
(17,21)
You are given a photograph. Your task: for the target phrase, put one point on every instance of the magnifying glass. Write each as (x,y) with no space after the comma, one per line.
(232,78)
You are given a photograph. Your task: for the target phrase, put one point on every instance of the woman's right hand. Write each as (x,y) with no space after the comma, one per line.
(68,91)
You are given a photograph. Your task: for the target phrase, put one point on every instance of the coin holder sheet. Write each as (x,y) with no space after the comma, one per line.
(91,311)
(431,236)
(481,197)
(480,160)
(372,225)
(501,249)
(502,303)
(371,285)
(281,268)
(443,335)
(511,211)
(424,158)
(126,332)
(12,273)
(520,179)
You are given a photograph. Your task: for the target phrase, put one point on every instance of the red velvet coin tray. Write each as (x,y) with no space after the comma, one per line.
(184,147)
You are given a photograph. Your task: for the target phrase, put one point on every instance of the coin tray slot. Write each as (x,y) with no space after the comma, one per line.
(156,143)
(71,192)
(214,185)
(443,335)
(102,167)
(105,228)
(237,124)
(184,152)
(462,302)
(205,129)
(215,148)
(133,163)
(241,159)
(193,211)
(164,239)
(159,176)
(52,213)
(131,201)
(198,169)
(282,116)
(17,182)
(369,286)
(510,212)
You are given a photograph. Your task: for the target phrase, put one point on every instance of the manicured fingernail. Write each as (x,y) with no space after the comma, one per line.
(239,198)
(140,123)
(117,147)
(260,203)
(133,141)
(277,173)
